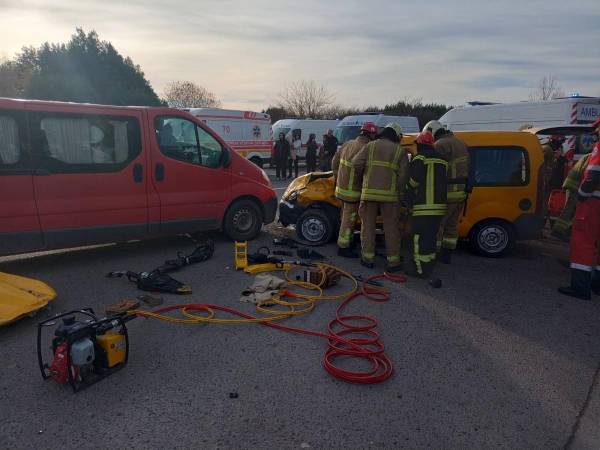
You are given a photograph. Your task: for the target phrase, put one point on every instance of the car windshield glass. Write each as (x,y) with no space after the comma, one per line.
(344,134)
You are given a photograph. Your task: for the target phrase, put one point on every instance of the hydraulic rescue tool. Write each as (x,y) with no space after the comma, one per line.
(85,348)
(158,280)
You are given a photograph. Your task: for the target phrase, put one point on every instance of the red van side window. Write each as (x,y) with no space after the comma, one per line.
(10,147)
(85,141)
(183,140)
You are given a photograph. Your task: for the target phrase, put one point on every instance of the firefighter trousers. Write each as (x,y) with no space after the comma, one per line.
(390,212)
(585,237)
(347,224)
(448,233)
(424,242)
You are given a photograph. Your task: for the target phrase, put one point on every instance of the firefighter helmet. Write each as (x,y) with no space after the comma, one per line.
(369,127)
(424,137)
(397,128)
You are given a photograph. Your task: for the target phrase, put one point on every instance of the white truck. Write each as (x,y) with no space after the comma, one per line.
(307,127)
(566,111)
(349,127)
(246,132)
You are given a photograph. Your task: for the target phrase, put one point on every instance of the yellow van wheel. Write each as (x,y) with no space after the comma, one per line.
(316,226)
(492,238)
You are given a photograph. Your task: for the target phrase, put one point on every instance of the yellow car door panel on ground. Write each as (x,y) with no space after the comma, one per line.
(505,203)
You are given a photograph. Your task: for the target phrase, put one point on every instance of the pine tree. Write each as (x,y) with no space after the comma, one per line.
(85,69)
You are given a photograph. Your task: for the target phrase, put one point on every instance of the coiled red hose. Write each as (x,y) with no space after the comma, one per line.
(351,336)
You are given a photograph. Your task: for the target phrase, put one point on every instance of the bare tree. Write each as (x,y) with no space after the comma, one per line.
(187,94)
(547,89)
(306,98)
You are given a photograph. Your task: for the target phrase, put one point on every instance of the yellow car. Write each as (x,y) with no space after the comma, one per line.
(506,203)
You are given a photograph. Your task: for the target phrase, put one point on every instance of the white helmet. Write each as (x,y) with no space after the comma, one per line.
(397,128)
(433,126)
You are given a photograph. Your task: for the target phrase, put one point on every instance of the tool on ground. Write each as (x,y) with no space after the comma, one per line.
(21,296)
(86,350)
(323,278)
(154,281)
(240,255)
(261,260)
(158,279)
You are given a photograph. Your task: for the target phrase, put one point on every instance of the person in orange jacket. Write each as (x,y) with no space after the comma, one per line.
(585,239)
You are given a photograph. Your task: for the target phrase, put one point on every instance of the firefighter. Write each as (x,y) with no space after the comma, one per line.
(455,152)
(427,194)
(348,186)
(383,167)
(585,237)
(562,225)
(551,149)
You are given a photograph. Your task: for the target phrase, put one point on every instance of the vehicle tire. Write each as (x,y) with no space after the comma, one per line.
(243,220)
(256,160)
(492,238)
(315,226)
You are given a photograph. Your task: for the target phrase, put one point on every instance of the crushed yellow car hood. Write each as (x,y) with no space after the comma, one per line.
(20,296)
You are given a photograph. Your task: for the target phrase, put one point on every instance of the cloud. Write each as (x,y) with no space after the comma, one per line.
(368,53)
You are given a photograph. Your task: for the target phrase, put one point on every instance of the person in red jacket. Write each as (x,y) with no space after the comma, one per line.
(585,240)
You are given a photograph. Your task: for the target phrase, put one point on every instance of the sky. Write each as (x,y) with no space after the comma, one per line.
(365,52)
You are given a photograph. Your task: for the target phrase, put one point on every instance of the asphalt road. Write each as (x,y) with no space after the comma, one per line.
(495,358)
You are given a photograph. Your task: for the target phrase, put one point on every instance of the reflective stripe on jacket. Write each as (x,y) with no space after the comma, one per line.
(456,153)
(428,184)
(383,166)
(348,185)
(575,175)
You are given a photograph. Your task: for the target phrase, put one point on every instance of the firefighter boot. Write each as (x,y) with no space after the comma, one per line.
(445,255)
(580,285)
(596,282)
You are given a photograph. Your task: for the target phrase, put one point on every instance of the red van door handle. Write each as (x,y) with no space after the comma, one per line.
(138,173)
(159,172)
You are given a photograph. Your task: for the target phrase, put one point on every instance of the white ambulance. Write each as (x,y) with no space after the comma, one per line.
(307,127)
(246,132)
(575,110)
(349,127)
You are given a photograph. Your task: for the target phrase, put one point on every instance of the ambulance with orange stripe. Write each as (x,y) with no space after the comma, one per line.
(246,132)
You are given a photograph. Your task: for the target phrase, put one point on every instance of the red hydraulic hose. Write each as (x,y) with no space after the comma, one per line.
(365,344)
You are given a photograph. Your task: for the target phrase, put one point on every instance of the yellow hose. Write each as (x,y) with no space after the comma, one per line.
(306,302)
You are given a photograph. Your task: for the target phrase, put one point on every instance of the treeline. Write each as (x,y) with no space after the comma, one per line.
(422,111)
(85,69)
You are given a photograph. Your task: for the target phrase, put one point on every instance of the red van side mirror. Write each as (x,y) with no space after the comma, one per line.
(226,157)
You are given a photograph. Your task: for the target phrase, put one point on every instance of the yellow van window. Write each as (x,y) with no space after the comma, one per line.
(499,166)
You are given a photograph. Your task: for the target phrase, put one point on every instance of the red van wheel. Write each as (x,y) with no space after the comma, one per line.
(243,220)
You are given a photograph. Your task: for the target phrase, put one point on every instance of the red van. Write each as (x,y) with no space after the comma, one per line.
(77,174)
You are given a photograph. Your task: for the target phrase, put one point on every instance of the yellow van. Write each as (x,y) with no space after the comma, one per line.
(504,206)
